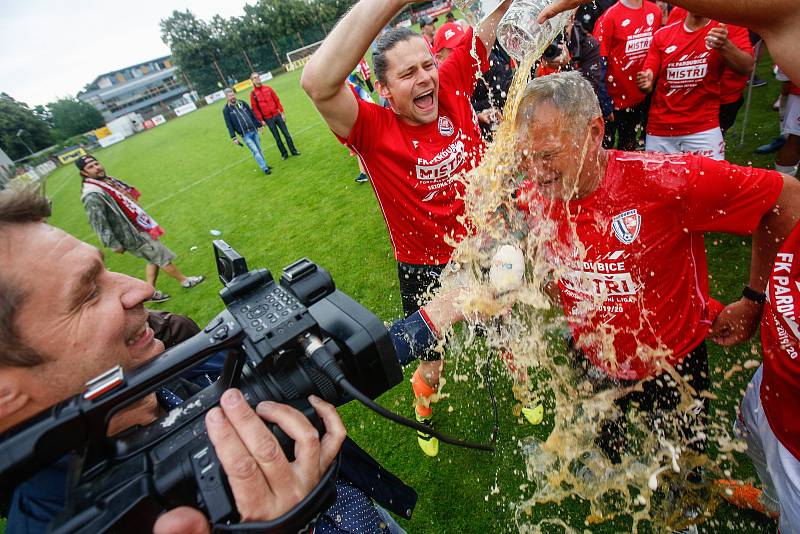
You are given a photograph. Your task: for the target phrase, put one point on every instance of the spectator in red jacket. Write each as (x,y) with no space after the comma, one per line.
(268,109)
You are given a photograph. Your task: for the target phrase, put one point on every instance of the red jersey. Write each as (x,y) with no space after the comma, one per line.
(687,81)
(638,293)
(417,171)
(625,35)
(732,83)
(265,102)
(780,335)
(676,14)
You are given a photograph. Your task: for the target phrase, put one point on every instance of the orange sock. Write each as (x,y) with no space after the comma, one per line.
(422,391)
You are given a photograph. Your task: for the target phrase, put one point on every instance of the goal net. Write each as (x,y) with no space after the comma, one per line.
(300,56)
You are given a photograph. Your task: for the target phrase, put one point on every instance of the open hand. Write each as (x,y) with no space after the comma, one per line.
(559,6)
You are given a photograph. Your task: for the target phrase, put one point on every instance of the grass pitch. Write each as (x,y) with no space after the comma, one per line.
(193,180)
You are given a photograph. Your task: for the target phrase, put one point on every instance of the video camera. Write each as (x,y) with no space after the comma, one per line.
(284,341)
(554,49)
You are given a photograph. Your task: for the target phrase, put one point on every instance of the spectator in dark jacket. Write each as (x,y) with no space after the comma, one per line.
(581,53)
(491,92)
(240,120)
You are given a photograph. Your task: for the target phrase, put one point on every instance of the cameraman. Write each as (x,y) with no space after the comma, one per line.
(65,319)
(581,53)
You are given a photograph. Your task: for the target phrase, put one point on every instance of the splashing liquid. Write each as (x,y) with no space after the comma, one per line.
(659,482)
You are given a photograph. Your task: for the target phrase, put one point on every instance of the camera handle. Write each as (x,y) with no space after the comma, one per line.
(302,517)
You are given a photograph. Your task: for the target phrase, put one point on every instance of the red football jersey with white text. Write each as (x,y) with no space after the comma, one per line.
(687,73)
(732,83)
(417,171)
(780,335)
(632,275)
(625,35)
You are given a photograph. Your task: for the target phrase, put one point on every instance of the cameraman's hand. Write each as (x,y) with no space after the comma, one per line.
(236,141)
(264,483)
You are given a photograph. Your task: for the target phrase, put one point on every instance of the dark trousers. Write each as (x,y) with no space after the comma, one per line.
(415,282)
(657,400)
(627,126)
(277,122)
(727,114)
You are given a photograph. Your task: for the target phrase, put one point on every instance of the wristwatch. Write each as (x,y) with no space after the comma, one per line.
(756,296)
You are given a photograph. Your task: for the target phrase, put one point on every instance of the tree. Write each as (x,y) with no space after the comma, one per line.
(19,126)
(70,116)
(193,46)
(269,28)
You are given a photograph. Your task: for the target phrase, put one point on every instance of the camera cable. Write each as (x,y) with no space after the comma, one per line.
(318,354)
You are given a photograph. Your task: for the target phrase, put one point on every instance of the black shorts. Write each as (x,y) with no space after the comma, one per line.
(658,398)
(415,282)
(727,114)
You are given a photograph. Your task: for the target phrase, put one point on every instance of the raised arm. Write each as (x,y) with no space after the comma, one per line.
(325,74)
(487,30)
(775,20)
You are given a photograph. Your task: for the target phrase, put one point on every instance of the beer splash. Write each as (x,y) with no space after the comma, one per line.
(659,482)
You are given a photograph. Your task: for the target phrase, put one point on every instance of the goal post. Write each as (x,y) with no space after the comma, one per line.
(298,57)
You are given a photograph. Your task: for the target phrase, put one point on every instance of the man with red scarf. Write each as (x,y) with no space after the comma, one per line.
(122,225)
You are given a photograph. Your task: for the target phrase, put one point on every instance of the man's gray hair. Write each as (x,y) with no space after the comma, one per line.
(228,91)
(569,92)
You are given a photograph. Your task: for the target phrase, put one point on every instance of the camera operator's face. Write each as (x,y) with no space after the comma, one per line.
(82,318)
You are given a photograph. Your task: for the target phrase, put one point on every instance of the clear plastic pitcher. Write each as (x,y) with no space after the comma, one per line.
(475,11)
(520,34)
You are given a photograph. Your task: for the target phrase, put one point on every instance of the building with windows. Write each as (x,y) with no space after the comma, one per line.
(150,88)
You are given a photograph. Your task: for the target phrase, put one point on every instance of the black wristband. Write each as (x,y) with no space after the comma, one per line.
(751,294)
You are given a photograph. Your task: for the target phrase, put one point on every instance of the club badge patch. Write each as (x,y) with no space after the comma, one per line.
(626,226)
(650,19)
(445,126)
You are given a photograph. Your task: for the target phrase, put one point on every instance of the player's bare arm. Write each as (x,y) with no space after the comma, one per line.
(325,74)
(739,320)
(777,21)
(487,30)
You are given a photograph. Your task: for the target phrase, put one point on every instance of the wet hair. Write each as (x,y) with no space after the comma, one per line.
(17,207)
(386,42)
(569,92)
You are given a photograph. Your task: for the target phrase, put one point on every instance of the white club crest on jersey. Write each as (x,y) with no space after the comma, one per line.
(445,126)
(650,19)
(626,226)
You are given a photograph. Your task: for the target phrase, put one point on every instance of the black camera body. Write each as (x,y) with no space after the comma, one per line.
(554,49)
(123,483)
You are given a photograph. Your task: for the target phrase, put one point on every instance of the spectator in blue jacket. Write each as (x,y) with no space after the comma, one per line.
(239,119)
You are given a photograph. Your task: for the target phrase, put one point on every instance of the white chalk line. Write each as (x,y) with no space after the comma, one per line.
(205,178)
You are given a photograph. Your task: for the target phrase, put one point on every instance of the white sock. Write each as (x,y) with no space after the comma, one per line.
(791,170)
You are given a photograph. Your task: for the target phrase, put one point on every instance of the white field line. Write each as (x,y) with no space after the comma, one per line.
(199,181)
